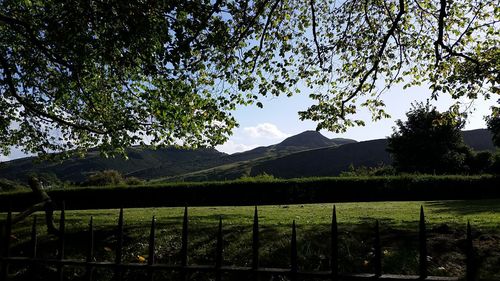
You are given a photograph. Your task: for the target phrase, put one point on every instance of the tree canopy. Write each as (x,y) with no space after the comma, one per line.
(493,122)
(428,142)
(81,74)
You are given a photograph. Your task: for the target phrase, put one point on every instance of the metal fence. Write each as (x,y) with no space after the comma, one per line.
(254,272)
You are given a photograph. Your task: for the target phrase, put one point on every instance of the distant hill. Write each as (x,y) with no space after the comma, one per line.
(303,155)
(303,141)
(164,162)
(170,161)
(480,139)
(327,161)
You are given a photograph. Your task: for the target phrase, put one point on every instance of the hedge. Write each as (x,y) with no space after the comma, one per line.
(279,192)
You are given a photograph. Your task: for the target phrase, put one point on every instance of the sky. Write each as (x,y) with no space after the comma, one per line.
(279,119)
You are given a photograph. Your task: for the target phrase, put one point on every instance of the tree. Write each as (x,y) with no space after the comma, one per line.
(494,126)
(428,142)
(80,74)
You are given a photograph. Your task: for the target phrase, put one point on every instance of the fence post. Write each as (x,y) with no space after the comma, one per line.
(4,273)
(218,258)
(62,236)
(33,242)
(377,251)
(335,246)
(119,246)
(255,245)
(294,265)
(422,246)
(184,247)
(90,250)
(471,269)
(151,252)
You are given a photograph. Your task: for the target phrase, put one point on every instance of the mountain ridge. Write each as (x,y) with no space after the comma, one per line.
(306,154)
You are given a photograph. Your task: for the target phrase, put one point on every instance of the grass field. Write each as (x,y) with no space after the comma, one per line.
(399,228)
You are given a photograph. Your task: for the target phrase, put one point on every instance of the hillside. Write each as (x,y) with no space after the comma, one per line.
(480,139)
(300,142)
(169,161)
(326,161)
(303,155)
(235,165)
(165,162)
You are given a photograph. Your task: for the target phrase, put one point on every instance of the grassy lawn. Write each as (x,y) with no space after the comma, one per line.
(399,228)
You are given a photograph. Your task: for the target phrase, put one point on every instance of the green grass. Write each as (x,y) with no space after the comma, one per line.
(446,221)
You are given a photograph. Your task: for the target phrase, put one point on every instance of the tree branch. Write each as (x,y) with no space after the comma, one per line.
(311,3)
(30,107)
(440,44)
(266,26)
(380,53)
(31,36)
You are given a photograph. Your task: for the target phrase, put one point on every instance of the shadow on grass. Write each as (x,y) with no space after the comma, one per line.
(462,207)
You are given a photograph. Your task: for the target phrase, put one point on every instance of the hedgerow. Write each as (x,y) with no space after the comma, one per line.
(290,191)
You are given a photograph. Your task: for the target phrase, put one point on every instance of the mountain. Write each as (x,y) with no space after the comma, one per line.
(480,139)
(304,141)
(170,161)
(160,163)
(303,155)
(326,161)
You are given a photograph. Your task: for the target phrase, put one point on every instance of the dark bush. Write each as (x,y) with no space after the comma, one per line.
(8,185)
(104,178)
(133,181)
(47,179)
(480,162)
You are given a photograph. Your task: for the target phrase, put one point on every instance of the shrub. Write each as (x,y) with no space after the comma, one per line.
(47,179)
(495,165)
(381,170)
(429,142)
(8,185)
(257,178)
(133,181)
(276,192)
(103,178)
(480,162)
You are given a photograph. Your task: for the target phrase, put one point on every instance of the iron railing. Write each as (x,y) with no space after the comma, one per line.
(255,272)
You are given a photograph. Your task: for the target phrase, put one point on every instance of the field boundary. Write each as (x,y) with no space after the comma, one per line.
(275,192)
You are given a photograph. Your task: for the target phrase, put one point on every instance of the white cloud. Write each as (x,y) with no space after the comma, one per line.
(231,147)
(265,130)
